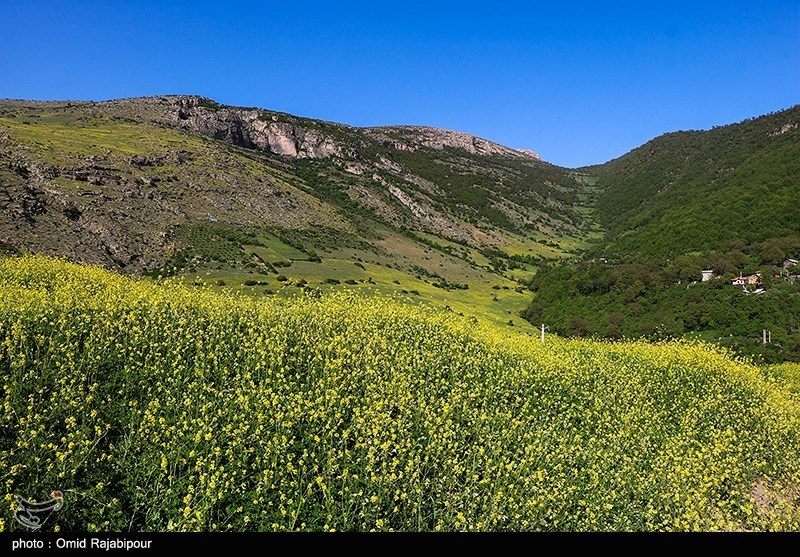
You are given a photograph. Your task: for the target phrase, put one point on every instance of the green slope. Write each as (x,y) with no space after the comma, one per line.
(723,199)
(697,191)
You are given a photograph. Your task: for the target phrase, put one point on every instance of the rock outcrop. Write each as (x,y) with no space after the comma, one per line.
(410,138)
(295,137)
(255,129)
(252,128)
(532,154)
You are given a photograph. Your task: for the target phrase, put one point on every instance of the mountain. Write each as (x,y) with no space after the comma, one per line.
(268,203)
(108,182)
(182,184)
(696,191)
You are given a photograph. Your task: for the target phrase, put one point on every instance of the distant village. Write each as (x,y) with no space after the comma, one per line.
(753,284)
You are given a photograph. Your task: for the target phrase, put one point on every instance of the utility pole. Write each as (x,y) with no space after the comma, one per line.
(542,332)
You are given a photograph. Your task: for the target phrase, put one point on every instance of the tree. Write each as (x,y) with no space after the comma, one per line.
(613,332)
(615,318)
(532,313)
(578,327)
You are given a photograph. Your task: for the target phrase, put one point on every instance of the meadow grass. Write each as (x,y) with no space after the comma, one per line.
(498,306)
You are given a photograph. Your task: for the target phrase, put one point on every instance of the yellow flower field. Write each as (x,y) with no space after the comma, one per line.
(155,406)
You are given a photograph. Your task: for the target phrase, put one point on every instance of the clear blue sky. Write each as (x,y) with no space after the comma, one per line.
(578,82)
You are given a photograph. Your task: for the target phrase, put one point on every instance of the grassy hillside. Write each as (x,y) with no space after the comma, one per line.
(696,191)
(269,203)
(156,406)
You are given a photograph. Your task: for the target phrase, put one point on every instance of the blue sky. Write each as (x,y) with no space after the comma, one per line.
(580,83)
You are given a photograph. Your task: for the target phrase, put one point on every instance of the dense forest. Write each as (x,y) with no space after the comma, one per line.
(689,192)
(640,300)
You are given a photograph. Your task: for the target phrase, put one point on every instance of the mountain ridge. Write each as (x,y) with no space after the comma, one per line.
(199,100)
(182,184)
(357,151)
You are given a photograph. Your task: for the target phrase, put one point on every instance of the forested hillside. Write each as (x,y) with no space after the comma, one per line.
(694,191)
(723,200)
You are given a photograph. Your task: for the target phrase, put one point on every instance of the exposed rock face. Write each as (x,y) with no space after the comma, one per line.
(426,214)
(398,145)
(294,137)
(789,126)
(253,128)
(530,153)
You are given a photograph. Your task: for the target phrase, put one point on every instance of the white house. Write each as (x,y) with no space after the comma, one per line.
(708,274)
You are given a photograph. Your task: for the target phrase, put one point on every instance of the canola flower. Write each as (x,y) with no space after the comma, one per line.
(155,406)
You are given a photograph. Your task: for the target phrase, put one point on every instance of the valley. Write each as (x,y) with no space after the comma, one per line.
(273,205)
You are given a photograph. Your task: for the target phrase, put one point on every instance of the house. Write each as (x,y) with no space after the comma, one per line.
(789,268)
(749,280)
(754,279)
(708,274)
